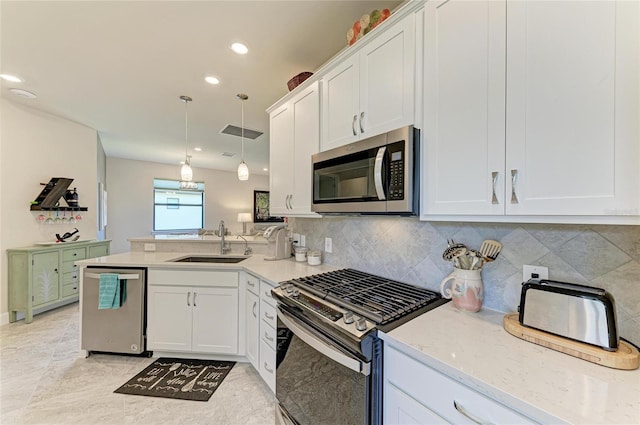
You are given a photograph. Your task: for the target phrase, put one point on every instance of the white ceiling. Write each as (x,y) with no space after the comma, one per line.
(120,66)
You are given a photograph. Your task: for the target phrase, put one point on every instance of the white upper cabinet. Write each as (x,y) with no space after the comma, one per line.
(531,111)
(371,91)
(464,120)
(294,136)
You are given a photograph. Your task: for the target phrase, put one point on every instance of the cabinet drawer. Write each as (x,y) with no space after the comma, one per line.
(253,284)
(268,365)
(74,254)
(268,314)
(193,277)
(438,392)
(72,277)
(265,292)
(68,266)
(268,334)
(70,289)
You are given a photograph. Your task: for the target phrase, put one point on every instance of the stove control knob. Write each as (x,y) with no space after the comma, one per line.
(361,324)
(295,293)
(289,288)
(348,317)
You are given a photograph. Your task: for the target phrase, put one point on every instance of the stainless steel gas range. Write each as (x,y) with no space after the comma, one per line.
(329,357)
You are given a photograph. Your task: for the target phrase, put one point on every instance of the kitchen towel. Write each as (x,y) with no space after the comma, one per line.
(112,292)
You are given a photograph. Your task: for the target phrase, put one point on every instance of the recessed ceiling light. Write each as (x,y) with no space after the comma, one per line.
(197,149)
(211,79)
(23,93)
(239,48)
(265,169)
(11,78)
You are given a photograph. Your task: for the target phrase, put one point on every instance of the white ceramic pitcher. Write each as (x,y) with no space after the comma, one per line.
(466,289)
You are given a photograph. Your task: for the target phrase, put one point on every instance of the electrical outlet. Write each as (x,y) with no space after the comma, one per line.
(296,239)
(534,272)
(149,247)
(328,245)
(303,241)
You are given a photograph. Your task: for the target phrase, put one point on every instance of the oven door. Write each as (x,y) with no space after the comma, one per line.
(318,381)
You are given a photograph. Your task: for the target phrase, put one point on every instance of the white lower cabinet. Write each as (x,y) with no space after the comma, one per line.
(414,393)
(193,311)
(252,320)
(268,335)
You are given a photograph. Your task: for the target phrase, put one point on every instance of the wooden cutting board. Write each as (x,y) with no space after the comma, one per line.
(627,357)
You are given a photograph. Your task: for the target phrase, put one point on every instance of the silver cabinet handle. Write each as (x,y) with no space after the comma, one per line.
(290,198)
(268,294)
(255,304)
(471,417)
(195,294)
(267,337)
(514,177)
(253,285)
(188,296)
(353,125)
(361,122)
(494,178)
(268,316)
(377,173)
(266,366)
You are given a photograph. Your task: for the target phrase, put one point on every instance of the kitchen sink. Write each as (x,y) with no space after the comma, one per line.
(208,259)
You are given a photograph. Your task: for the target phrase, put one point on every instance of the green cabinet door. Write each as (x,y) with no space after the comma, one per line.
(46,278)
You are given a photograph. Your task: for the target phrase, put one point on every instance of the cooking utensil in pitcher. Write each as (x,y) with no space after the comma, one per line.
(173,368)
(191,383)
(453,253)
(490,250)
(477,261)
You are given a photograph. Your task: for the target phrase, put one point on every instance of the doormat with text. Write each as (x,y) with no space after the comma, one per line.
(187,379)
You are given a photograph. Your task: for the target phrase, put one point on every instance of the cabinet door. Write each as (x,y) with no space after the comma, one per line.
(280,159)
(306,136)
(402,409)
(215,320)
(46,277)
(572,108)
(463,134)
(387,79)
(98,250)
(169,318)
(252,321)
(341,104)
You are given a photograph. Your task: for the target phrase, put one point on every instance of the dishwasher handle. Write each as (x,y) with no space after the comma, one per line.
(120,276)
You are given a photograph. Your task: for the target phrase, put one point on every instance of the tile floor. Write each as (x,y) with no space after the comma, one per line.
(44,381)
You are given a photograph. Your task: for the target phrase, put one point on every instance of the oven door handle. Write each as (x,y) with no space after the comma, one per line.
(307,336)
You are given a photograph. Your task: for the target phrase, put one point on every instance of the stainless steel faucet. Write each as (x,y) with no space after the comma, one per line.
(221,231)
(247,248)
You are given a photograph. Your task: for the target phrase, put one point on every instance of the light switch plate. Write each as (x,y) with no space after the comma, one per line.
(303,241)
(328,245)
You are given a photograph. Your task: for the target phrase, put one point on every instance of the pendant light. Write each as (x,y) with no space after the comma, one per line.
(243,170)
(186,173)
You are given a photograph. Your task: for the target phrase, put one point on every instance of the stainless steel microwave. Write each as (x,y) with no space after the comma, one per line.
(378,175)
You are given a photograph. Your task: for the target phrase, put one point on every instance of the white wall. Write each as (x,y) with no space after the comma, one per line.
(130,197)
(34,147)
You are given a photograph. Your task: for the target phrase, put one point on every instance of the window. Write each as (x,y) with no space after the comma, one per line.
(176,209)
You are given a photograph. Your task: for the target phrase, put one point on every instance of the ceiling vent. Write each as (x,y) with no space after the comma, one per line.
(237,131)
(228,154)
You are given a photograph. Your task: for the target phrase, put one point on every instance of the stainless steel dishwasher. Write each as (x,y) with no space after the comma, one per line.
(121,330)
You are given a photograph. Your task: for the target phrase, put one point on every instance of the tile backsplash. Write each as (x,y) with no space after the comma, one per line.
(410,250)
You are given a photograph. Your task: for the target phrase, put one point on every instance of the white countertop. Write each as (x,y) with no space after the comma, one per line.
(273,271)
(545,385)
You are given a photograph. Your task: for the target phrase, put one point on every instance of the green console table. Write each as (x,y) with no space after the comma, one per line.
(45,277)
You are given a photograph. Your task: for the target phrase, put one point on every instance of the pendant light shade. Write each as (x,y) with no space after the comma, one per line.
(186,173)
(243,170)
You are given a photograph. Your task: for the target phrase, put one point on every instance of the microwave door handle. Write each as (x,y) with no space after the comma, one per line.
(377,173)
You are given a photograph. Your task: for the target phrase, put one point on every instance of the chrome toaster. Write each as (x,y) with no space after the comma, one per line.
(579,312)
